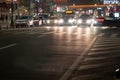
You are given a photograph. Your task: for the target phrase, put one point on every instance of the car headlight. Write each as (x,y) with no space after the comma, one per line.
(61,21)
(95,22)
(79,21)
(70,21)
(48,21)
(31,22)
(88,21)
(55,21)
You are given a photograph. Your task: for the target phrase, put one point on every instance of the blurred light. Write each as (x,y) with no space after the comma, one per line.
(116,14)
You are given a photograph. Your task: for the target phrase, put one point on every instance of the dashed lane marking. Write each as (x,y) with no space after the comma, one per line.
(48,33)
(41,36)
(4,47)
(101,34)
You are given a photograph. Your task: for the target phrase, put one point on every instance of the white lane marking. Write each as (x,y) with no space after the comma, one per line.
(91,66)
(48,33)
(41,36)
(4,47)
(101,34)
(60,33)
(113,35)
(44,34)
(79,59)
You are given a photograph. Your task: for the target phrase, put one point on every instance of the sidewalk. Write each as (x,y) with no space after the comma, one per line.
(4,25)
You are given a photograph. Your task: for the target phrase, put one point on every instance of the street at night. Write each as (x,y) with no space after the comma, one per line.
(59,53)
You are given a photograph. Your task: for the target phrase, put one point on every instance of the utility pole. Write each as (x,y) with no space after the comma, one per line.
(12,13)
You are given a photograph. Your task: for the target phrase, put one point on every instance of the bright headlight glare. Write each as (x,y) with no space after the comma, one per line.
(31,22)
(92,20)
(88,21)
(79,21)
(55,21)
(70,20)
(61,21)
(48,21)
(95,22)
(73,19)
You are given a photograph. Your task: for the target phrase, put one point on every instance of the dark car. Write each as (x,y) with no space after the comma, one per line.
(85,19)
(111,22)
(54,20)
(69,20)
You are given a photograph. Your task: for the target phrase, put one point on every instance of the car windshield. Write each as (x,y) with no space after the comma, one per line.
(84,16)
(24,17)
(35,18)
(68,16)
(53,17)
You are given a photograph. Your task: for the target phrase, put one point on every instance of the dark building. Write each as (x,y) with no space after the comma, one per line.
(76,2)
(60,2)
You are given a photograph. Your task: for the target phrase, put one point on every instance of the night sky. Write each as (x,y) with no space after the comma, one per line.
(77,2)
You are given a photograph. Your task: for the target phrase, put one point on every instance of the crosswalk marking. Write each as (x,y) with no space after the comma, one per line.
(109,55)
(104,52)
(4,47)
(100,60)
(93,65)
(113,35)
(101,34)
(104,45)
(104,48)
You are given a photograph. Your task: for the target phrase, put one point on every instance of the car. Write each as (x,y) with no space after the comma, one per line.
(69,20)
(98,21)
(53,20)
(37,21)
(112,22)
(24,20)
(85,19)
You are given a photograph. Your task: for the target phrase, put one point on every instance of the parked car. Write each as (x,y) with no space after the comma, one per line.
(24,20)
(37,21)
(112,21)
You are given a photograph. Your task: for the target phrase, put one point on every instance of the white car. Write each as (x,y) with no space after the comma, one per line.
(24,21)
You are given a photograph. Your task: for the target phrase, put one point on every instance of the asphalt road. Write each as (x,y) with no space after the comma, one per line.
(47,53)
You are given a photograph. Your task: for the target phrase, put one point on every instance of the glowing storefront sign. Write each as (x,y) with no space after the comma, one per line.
(69,12)
(111,1)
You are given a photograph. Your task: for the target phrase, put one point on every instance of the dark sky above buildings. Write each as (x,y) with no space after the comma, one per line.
(77,2)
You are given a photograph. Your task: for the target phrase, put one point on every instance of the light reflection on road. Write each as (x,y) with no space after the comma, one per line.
(74,33)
